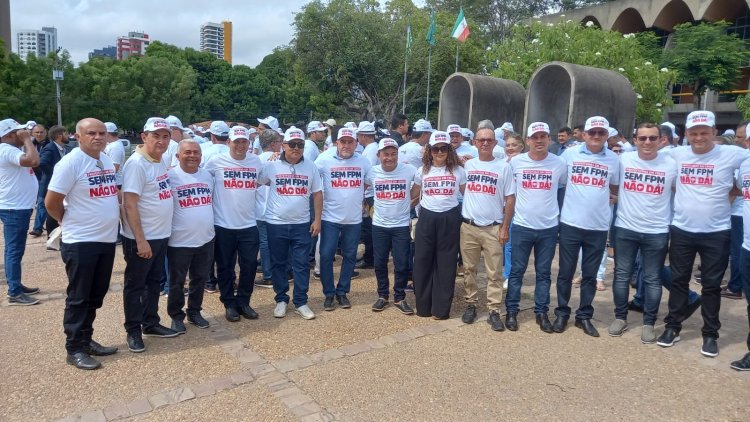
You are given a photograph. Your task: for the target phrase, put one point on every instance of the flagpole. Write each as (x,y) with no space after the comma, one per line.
(457,45)
(429,68)
(403,103)
(406,61)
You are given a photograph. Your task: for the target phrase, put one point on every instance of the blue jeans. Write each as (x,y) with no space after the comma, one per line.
(289,242)
(506,253)
(15,228)
(265,254)
(391,241)
(329,239)
(41,214)
(653,248)
(666,281)
(543,241)
(735,248)
(230,246)
(591,243)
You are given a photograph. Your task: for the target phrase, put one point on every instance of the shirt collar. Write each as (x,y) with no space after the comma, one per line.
(585,150)
(139,149)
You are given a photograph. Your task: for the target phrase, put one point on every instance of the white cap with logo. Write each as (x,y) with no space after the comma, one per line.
(111,127)
(454,129)
(700,118)
(238,132)
(439,137)
(467,133)
(422,125)
(315,126)
(507,126)
(156,123)
(174,121)
(346,132)
(596,122)
(387,143)
(294,133)
(271,122)
(537,127)
(9,125)
(219,128)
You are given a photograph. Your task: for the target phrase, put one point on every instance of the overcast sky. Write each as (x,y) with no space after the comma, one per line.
(83,25)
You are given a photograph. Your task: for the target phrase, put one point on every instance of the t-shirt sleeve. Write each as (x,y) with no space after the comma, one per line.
(615,180)
(460,176)
(134,178)
(263,178)
(316,182)
(418,177)
(11,155)
(118,155)
(63,179)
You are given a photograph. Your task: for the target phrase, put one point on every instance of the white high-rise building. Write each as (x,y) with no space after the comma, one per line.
(39,43)
(216,38)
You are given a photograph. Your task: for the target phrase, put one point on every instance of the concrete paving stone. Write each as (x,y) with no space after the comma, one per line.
(291,391)
(375,344)
(93,416)
(139,405)
(272,378)
(355,349)
(203,389)
(259,369)
(116,411)
(279,385)
(305,409)
(159,400)
(387,340)
(433,328)
(318,417)
(242,377)
(248,402)
(403,336)
(294,400)
(246,356)
(223,383)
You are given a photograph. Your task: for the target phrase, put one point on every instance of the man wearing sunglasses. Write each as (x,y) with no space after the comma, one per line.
(643,214)
(592,182)
(292,181)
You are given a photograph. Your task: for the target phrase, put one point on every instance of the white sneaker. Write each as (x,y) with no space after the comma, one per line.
(505,285)
(280,311)
(305,312)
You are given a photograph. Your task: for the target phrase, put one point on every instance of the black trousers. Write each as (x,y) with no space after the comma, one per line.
(196,261)
(436,243)
(713,249)
(89,269)
(142,284)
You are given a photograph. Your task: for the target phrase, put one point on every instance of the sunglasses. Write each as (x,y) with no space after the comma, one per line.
(650,138)
(296,145)
(598,133)
(443,148)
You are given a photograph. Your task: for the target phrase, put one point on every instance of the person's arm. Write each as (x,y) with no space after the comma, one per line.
(133,217)
(614,190)
(318,203)
(30,158)
(416,191)
(510,207)
(54,204)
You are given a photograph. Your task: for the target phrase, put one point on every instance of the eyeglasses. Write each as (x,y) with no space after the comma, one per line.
(99,165)
(652,138)
(617,151)
(484,141)
(443,148)
(600,132)
(296,145)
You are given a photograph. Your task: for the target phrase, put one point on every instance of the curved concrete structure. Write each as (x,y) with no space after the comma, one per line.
(564,94)
(466,99)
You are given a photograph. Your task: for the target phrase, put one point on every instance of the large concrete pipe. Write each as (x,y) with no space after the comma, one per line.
(466,99)
(564,94)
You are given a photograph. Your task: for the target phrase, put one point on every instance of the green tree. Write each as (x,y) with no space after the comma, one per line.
(706,57)
(530,46)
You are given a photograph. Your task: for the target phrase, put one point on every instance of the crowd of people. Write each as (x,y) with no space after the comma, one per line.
(190,205)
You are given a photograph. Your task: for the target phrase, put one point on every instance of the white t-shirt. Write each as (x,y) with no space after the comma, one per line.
(289,190)
(411,153)
(212,150)
(261,194)
(701,203)
(371,153)
(91,207)
(644,202)
(18,185)
(743,182)
(192,223)
(466,149)
(487,185)
(392,195)
(170,155)
(235,184)
(440,188)
(150,182)
(116,152)
(256,145)
(311,151)
(537,184)
(497,152)
(343,187)
(586,203)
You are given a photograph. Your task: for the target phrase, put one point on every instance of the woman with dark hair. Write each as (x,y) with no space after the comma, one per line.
(436,187)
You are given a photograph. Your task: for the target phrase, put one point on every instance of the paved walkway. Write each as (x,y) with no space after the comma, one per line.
(359,365)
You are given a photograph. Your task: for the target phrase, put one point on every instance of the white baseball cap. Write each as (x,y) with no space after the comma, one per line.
(271,122)
(366,128)
(331,122)
(439,137)
(612,132)
(174,121)
(316,126)
(537,127)
(219,128)
(294,133)
(387,143)
(238,132)
(507,126)
(111,127)
(467,133)
(156,123)
(729,132)
(350,125)
(499,135)
(251,130)
(346,132)
(9,125)
(29,125)
(596,122)
(700,118)
(422,125)
(454,129)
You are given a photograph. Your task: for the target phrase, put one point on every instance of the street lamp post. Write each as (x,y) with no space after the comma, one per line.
(57,75)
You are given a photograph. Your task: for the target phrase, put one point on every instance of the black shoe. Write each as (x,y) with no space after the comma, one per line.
(379,304)
(22,300)
(692,307)
(231,314)
(404,307)
(511,321)
(316,275)
(83,361)
(159,330)
(587,327)
(35,233)
(362,265)
(197,320)
(329,304)
(178,326)
(495,322)
(668,338)
(470,314)
(742,364)
(355,274)
(710,347)
(632,306)
(29,290)
(267,283)
(210,288)
(544,323)
(559,325)
(725,292)
(343,301)
(409,288)
(247,312)
(96,349)
(135,343)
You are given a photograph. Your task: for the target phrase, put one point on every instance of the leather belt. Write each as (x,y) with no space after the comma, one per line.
(470,221)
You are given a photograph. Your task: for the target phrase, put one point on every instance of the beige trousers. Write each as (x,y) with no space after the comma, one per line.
(476,241)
